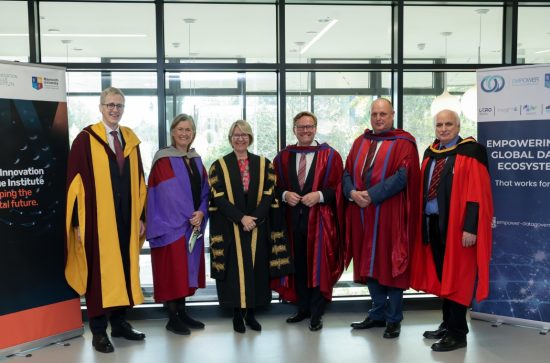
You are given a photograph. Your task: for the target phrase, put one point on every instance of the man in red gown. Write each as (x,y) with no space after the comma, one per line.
(381,184)
(309,177)
(453,246)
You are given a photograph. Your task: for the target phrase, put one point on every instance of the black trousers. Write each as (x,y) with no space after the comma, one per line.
(98,324)
(309,299)
(454,314)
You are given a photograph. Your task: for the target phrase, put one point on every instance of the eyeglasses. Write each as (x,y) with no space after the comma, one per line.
(305,127)
(240,136)
(111,106)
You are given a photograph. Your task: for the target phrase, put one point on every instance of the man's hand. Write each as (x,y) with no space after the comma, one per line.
(77,232)
(141,228)
(310,199)
(468,239)
(361,198)
(292,198)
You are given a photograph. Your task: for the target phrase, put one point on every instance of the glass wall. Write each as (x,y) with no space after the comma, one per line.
(97,32)
(266,60)
(225,32)
(534,35)
(14,31)
(456,34)
(337,33)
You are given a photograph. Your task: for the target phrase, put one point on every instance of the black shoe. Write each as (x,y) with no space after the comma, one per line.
(315,324)
(368,323)
(253,323)
(176,326)
(298,317)
(436,334)
(448,343)
(189,321)
(392,330)
(102,344)
(238,324)
(126,331)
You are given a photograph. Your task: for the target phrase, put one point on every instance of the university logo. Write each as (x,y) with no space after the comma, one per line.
(492,84)
(528,109)
(37,83)
(547,80)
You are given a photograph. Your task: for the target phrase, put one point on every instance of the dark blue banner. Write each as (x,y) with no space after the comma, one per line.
(519,160)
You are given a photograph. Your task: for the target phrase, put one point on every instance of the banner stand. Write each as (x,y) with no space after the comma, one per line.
(513,115)
(41,343)
(37,307)
(498,320)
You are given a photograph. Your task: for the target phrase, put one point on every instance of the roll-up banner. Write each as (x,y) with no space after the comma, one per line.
(514,125)
(37,307)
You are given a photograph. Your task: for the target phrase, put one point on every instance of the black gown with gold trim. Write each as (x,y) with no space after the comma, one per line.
(243,262)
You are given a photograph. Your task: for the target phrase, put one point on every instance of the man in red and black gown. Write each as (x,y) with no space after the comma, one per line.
(381,185)
(453,245)
(309,177)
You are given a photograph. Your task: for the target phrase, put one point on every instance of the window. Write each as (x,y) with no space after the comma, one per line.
(341,33)
(97,32)
(225,32)
(14,32)
(533,35)
(475,34)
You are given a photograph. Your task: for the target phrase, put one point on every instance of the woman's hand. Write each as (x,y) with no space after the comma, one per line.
(249,223)
(196,219)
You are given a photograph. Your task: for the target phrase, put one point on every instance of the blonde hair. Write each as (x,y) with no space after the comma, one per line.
(110,91)
(305,113)
(245,127)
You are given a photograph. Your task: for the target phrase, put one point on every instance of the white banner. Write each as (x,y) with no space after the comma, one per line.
(28,82)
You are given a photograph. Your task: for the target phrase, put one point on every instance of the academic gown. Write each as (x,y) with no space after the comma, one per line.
(470,184)
(175,191)
(241,261)
(325,248)
(379,237)
(104,263)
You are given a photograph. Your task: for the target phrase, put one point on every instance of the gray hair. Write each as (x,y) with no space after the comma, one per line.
(180,118)
(456,117)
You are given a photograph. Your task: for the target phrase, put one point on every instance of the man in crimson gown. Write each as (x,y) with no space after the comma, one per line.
(104,224)
(453,246)
(381,185)
(309,177)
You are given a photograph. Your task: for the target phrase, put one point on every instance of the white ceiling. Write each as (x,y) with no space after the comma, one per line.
(248,31)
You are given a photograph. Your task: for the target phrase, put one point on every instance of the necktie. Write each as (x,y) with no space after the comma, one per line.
(436,178)
(302,171)
(370,156)
(118,151)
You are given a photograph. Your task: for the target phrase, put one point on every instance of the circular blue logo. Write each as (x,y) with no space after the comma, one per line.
(492,83)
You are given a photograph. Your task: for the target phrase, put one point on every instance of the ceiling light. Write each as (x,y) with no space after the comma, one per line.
(445,100)
(97,35)
(543,51)
(318,36)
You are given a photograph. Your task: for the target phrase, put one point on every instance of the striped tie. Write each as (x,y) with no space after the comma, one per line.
(436,178)
(302,171)
(118,152)
(368,160)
